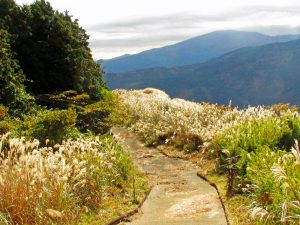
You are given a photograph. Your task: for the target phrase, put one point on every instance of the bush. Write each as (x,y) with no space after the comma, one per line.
(100,116)
(63,100)
(187,142)
(96,117)
(8,125)
(288,139)
(53,125)
(3,112)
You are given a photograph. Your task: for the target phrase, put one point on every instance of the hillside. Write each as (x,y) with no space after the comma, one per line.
(195,50)
(254,75)
(255,144)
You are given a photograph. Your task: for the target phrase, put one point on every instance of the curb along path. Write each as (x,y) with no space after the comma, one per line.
(179,196)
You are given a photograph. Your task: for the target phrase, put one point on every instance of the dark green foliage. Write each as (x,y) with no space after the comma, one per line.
(52,49)
(266,74)
(195,50)
(59,57)
(12,89)
(9,16)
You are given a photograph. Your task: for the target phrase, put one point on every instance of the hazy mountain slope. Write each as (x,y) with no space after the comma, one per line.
(195,50)
(253,75)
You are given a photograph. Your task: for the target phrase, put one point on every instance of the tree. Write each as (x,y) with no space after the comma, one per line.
(57,57)
(12,89)
(52,49)
(8,14)
(12,20)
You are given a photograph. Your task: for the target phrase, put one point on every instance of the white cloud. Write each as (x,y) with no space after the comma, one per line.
(117,27)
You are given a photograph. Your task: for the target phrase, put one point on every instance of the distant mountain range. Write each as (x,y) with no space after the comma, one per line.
(195,50)
(252,75)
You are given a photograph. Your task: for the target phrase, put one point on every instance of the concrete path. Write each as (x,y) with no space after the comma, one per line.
(179,196)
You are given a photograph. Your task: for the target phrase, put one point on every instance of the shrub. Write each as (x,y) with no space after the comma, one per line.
(53,125)
(63,100)
(293,122)
(8,125)
(186,142)
(98,117)
(3,112)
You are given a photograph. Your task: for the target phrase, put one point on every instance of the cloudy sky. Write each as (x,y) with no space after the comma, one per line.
(117,27)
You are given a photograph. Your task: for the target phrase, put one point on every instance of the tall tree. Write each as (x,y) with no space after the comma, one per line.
(8,14)
(12,19)
(12,89)
(52,49)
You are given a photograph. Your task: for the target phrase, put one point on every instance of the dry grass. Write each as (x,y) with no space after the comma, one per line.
(59,185)
(160,119)
(172,125)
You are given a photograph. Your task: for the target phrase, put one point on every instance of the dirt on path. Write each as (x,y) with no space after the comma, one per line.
(179,196)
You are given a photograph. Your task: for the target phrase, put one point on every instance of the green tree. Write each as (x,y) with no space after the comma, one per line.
(12,19)
(52,49)
(55,55)
(12,89)
(8,14)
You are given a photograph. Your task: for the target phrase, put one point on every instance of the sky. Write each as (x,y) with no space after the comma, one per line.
(118,27)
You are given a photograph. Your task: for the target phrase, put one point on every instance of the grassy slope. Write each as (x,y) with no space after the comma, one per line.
(198,132)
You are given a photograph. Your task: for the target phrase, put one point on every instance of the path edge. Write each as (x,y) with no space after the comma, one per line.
(220,197)
(134,211)
(209,182)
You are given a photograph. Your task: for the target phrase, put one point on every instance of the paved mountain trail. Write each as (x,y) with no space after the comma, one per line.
(179,196)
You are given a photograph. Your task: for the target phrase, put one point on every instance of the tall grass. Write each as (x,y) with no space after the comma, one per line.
(57,185)
(252,145)
(160,119)
(276,185)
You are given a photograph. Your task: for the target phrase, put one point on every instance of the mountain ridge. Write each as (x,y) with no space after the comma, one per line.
(191,51)
(265,74)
